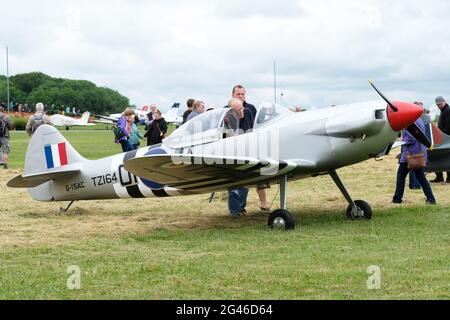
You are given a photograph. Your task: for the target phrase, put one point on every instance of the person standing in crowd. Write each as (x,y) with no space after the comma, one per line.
(157,130)
(36,120)
(135,134)
(412,146)
(124,130)
(197,109)
(190,105)
(444,126)
(240,93)
(413,181)
(239,120)
(5,126)
(150,116)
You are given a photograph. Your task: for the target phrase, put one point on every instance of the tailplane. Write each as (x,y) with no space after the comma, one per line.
(49,156)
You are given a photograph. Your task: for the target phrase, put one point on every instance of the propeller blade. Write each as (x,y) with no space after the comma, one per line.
(415,131)
(394,108)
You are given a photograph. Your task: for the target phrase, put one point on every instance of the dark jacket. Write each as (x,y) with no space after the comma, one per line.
(444,120)
(186,115)
(154,131)
(246,123)
(251,107)
(250,112)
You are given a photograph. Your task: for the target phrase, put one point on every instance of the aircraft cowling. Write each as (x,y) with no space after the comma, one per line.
(362,123)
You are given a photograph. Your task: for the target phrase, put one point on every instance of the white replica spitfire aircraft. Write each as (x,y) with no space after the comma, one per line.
(63,121)
(204,156)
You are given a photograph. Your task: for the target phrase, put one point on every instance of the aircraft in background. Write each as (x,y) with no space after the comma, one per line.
(141,113)
(216,159)
(64,121)
(172,116)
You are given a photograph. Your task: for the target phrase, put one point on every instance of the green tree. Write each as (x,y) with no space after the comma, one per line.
(38,87)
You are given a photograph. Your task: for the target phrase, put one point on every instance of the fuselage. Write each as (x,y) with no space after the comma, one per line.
(317,141)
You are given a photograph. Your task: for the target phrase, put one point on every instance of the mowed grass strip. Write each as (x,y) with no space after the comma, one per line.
(185,248)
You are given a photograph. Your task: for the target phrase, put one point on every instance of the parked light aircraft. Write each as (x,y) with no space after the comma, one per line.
(64,121)
(141,113)
(170,116)
(205,155)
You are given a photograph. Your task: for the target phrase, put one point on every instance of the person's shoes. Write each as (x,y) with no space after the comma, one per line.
(437,180)
(415,188)
(240,214)
(397,202)
(431,202)
(5,166)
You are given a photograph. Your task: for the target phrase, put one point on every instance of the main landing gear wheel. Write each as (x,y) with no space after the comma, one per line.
(281,219)
(363,211)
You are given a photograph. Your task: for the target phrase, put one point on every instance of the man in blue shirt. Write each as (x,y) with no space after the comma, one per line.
(240,93)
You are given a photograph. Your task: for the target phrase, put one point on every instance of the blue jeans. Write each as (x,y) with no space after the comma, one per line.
(237,200)
(126,146)
(420,175)
(413,181)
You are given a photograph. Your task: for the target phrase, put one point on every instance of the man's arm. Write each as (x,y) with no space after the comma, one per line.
(28,126)
(47,120)
(9,123)
(446,121)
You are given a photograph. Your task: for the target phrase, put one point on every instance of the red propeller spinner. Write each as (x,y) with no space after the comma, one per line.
(406,115)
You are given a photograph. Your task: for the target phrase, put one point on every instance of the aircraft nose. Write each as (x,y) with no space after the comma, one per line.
(406,115)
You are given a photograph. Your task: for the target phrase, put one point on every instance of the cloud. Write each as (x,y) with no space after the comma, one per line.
(161,52)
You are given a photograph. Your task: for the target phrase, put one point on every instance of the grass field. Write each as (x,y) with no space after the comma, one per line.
(185,248)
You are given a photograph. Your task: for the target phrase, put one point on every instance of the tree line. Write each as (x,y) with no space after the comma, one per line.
(31,88)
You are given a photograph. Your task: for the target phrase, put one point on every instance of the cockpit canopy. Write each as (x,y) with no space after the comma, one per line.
(211,126)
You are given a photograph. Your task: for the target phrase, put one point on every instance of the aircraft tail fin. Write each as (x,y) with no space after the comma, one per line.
(85,117)
(172,113)
(49,156)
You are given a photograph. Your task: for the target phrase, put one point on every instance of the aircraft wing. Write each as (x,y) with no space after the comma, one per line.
(106,120)
(206,173)
(398,144)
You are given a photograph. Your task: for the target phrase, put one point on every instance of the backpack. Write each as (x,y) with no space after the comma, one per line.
(118,134)
(36,123)
(3,127)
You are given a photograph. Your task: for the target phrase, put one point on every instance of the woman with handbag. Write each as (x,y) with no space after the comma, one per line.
(157,130)
(413,158)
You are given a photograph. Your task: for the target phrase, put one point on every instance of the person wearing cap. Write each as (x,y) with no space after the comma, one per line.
(444,126)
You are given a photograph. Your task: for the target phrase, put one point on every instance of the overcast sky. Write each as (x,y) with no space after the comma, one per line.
(166,51)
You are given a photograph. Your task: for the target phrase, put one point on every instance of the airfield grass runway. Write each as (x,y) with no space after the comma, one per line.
(186,248)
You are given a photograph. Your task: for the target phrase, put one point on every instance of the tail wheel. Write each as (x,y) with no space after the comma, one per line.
(363,211)
(281,219)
